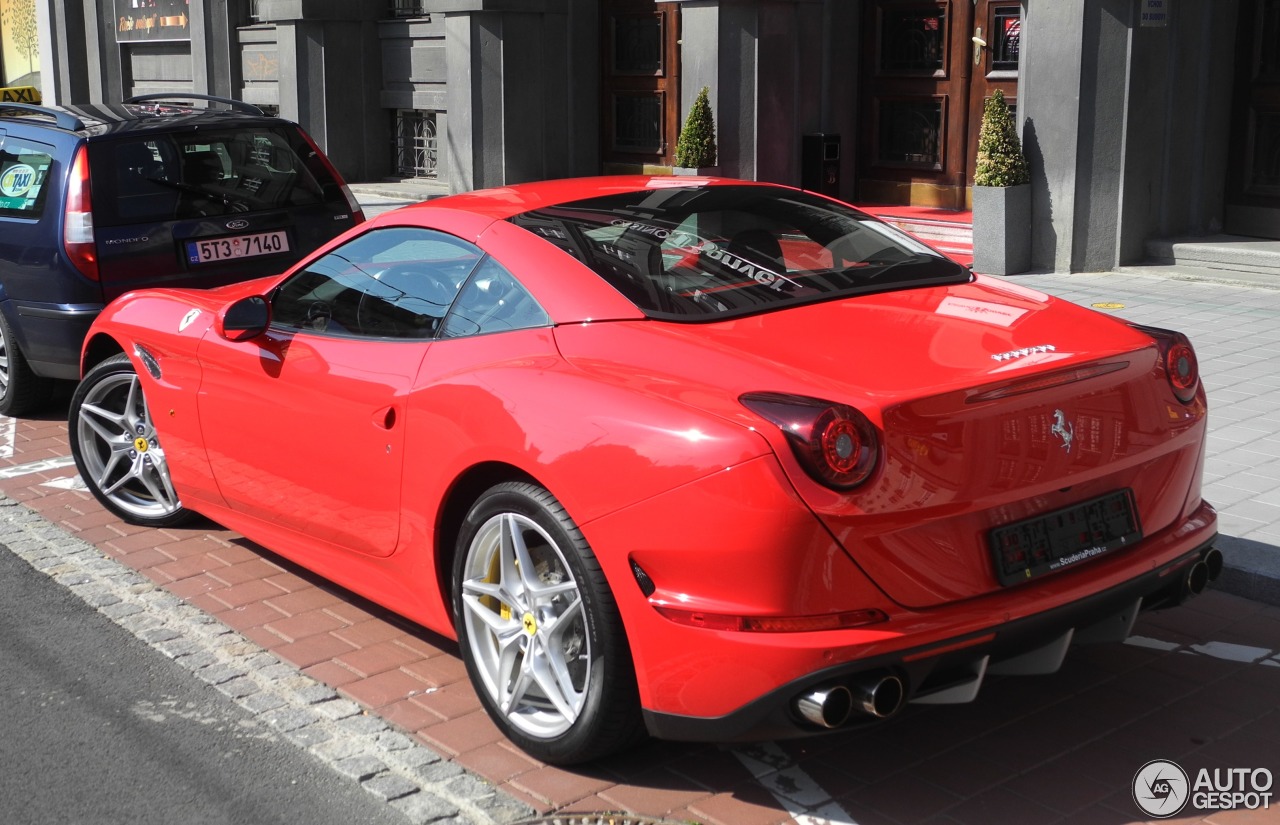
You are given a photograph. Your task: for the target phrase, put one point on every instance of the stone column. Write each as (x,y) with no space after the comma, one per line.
(777,70)
(329,75)
(522,82)
(1124,126)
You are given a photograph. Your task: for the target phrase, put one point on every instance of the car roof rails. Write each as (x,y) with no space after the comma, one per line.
(64,120)
(238,105)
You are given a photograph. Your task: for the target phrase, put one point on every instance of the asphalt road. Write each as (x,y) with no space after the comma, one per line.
(99,728)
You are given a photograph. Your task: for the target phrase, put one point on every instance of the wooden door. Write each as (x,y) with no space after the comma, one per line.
(640,84)
(1253,174)
(928,68)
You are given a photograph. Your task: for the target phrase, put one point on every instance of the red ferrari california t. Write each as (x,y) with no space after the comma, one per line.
(698,458)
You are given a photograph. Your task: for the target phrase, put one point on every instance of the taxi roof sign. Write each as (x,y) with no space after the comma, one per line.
(19,94)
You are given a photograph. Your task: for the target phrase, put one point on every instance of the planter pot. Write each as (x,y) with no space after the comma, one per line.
(1002,229)
(696,171)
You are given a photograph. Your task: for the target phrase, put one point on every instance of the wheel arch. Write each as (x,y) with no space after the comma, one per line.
(462,494)
(98,348)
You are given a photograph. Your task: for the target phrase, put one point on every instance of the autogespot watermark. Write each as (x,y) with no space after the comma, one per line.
(1162,789)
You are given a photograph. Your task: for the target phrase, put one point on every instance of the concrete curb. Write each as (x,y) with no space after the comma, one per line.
(1251,570)
(408,192)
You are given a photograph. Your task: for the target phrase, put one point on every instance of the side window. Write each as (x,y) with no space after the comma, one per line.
(493,301)
(395,282)
(23,169)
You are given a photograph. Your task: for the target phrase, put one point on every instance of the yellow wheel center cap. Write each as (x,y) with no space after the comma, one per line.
(140,444)
(530,624)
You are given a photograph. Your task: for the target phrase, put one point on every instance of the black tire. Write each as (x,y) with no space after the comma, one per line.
(568,619)
(21,390)
(117,450)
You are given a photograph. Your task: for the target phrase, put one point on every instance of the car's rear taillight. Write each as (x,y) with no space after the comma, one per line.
(1178,360)
(77,221)
(352,203)
(834,443)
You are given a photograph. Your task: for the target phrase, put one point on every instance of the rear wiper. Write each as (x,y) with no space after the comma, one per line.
(229,203)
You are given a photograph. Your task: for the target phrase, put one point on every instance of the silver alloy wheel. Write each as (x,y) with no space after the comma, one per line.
(121,451)
(526,625)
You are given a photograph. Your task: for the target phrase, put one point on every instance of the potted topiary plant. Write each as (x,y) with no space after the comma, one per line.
(1001,195)
(696,146)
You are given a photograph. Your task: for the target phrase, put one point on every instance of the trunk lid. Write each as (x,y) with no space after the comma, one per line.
(997,404)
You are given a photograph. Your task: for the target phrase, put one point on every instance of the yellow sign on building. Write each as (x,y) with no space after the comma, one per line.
(19,94)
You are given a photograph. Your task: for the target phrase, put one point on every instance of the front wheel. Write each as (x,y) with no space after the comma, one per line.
(539,629)
(117,450)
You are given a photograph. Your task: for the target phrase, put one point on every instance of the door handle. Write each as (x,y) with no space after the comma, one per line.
(978,45)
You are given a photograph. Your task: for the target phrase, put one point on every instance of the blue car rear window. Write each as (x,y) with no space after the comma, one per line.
(203,173)
(706,252)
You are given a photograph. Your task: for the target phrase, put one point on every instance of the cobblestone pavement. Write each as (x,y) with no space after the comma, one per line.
(388,704)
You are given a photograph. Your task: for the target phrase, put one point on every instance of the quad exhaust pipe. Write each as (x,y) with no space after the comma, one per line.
(830,706)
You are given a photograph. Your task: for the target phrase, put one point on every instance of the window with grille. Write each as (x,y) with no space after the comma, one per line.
(408,8)
(414,143)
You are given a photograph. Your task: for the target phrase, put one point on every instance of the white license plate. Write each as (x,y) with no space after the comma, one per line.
(237,246)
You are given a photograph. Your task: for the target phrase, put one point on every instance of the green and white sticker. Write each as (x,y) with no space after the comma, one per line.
(17,180)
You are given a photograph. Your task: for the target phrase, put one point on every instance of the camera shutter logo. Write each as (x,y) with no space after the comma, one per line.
(1161,788)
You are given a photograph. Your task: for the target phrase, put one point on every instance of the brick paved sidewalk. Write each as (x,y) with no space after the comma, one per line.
(1197,685)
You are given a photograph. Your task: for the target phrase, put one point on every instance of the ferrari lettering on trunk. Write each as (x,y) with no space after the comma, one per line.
(1024,352)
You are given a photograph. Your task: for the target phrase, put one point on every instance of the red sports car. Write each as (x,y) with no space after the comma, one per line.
(700,458)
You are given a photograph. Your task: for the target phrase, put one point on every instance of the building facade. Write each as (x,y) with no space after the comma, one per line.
(1142,119)
(19,44)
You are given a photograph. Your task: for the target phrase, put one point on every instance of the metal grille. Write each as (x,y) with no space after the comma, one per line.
(911,133)
(1008,38)
(637,123)
(414,143)
(408,8)
(913,41)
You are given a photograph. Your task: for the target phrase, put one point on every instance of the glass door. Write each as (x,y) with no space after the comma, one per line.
(928,68)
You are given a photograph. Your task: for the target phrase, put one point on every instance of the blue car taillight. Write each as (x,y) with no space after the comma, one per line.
(77,222)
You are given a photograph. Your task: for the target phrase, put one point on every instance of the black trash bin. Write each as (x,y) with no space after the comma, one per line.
(820,164)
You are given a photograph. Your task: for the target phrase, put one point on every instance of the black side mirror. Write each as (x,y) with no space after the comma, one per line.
(245,319)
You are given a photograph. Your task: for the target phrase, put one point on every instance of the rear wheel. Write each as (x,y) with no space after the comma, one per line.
(117,450)
(21,390)
(539,629)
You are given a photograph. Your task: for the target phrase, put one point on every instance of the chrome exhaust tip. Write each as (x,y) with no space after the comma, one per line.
(1213,562)
(1196,580)
(827,707)
(881,698)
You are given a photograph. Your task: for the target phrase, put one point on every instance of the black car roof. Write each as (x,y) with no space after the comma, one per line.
(135,114)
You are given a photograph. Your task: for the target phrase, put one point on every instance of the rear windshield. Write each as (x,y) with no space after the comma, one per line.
(202,173)
(702,252)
